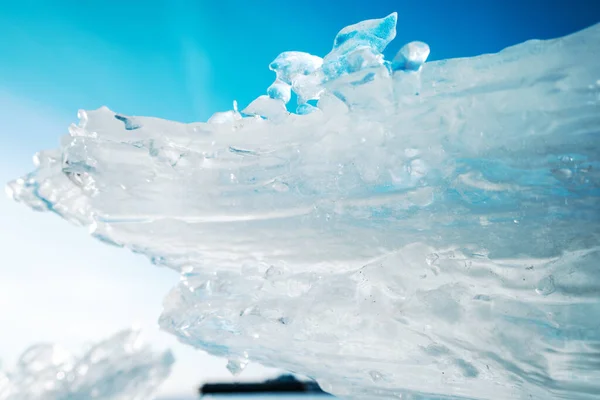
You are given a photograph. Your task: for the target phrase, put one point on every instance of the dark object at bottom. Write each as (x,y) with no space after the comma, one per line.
(284,384)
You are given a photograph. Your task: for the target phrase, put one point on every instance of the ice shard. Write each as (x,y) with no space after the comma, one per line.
(119,368)
(431,229)
(372,33)
(359,46)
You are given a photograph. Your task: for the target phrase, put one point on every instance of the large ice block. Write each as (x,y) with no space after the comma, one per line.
(429,229)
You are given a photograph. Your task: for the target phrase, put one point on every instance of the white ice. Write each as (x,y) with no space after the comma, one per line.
(118,368)
(428,229)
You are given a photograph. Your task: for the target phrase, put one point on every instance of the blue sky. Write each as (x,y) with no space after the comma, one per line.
(180,60)
(184,60)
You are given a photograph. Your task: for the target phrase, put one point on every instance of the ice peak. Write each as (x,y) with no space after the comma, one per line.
(374,33)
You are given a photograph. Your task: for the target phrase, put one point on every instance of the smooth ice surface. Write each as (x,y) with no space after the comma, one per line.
(119,368)
(425,232)
(411,56)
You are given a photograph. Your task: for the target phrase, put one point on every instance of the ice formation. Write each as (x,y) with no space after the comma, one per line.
(118,368)
(415,229)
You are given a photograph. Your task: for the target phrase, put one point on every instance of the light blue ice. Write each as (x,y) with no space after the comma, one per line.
(118,368)
(414,229)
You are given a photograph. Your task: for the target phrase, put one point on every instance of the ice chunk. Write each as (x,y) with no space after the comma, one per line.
(309,87)
(236,367)
(355,61)
(359,46)
(118,368)
(372,33)
(280,90)
(305,108)
(442,223)
(411,57)
(265,106)
(290,65)
(301,71)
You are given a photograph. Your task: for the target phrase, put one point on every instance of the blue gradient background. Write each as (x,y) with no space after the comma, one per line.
(180,60)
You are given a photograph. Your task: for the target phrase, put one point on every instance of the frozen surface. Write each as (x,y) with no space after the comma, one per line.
(423,230)
(119,368)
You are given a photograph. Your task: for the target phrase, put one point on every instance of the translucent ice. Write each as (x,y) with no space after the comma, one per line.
(355,48)
(280,90)
(265,106)
(354,61)
(305,108)
(388,243)
(411,57)
(359,46)
(119,368)
(373,33)
(290,65)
